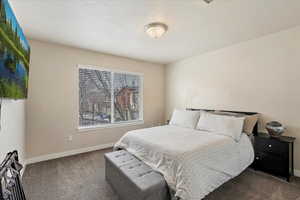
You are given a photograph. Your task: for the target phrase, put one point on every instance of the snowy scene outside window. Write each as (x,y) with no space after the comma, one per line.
(107,97)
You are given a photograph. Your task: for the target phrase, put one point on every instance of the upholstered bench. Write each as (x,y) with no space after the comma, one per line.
(132,179)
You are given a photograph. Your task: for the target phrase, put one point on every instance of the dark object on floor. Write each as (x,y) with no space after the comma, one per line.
(275,129)
(11,187)
(274,155)
(132,179)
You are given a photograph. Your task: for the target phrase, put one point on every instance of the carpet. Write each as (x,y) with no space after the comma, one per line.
(82,177)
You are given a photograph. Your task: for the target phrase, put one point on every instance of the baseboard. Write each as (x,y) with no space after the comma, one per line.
(82,150)
(297,172)
(67,153)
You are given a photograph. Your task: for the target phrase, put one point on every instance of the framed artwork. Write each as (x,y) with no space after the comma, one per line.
(14,55)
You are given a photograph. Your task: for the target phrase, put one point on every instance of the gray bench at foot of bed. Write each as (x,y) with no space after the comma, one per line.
(132,179)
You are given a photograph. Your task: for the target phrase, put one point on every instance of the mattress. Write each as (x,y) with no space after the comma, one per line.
(193,162)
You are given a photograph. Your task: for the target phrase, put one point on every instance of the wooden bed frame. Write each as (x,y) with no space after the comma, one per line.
(255,129)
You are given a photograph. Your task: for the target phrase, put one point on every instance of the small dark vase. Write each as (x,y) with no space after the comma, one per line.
(275,129)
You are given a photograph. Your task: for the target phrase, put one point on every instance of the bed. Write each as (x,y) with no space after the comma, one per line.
(193,162)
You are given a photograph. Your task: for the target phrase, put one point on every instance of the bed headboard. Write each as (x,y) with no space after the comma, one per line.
(255,129)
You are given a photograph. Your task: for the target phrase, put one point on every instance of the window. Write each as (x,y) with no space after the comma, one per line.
(108,97)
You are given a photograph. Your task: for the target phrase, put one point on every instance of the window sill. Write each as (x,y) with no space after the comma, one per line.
(115,125)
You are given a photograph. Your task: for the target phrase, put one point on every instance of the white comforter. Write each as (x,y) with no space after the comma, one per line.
(193,162)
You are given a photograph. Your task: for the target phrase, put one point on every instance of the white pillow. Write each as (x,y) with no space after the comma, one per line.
(222,124)
(184,118)
(249,123)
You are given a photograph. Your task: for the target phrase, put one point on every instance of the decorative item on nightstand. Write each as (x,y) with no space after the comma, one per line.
(275,129)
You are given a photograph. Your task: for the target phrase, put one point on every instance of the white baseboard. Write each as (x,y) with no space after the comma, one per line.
(297,172)
(82,150)
(67,153)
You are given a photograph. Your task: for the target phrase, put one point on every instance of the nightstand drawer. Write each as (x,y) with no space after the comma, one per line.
(271,146)
(272,164)
(274,155)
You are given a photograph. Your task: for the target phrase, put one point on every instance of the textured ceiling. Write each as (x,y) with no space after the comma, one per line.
(117,26)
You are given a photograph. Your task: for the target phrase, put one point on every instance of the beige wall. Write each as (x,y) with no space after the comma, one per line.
(260,75)
(12,133)
(53,98)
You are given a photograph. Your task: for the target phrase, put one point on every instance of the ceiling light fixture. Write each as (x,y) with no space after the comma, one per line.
(208,1)
(156,29)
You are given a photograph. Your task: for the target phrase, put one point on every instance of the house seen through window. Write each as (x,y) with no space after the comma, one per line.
(108,97)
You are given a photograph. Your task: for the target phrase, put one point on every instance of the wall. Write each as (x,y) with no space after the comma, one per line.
(53,98)
(261,75)
(12,133)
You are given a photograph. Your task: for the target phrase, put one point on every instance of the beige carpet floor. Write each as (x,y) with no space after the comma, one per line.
(82,177)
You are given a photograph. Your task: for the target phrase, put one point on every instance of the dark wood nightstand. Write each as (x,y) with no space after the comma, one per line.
(274,155)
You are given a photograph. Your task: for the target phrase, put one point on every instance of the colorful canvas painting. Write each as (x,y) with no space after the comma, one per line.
(14,55)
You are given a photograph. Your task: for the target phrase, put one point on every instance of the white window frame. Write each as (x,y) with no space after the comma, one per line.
(113,124)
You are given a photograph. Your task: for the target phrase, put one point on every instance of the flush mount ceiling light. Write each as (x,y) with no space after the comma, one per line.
(208,1)
(156,29)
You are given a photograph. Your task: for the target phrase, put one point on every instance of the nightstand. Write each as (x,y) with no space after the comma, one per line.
(274,155)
